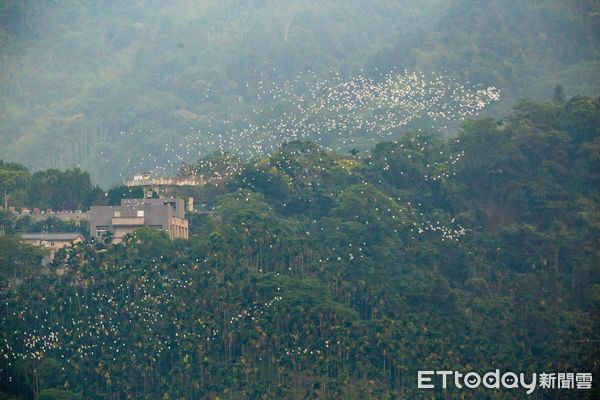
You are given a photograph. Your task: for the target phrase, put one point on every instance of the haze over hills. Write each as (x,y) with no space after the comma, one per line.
(106,85)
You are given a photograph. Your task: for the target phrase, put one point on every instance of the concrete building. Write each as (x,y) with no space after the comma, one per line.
(167,214)
(52,241)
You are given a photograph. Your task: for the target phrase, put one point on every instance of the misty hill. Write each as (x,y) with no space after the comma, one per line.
(104,85)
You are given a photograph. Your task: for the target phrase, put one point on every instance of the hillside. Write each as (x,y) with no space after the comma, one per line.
(117,88)
(327,275)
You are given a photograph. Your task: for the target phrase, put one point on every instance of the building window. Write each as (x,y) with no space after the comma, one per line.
(140,213)
(102,230)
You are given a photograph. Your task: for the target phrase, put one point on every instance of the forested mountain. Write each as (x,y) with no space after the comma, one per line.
(104,85)
(523,47)
(327,275)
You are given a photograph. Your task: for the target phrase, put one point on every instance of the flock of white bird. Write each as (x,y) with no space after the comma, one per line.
(330,112)
(336,113)
(105,320)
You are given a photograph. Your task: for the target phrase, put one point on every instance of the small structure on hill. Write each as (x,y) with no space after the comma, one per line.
(150,184)
(52,241)
(167,214)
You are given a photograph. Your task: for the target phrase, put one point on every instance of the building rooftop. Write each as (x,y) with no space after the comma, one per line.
(51,235)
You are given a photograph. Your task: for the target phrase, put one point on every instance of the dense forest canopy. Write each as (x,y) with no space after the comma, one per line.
(336,276)
(105,85)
